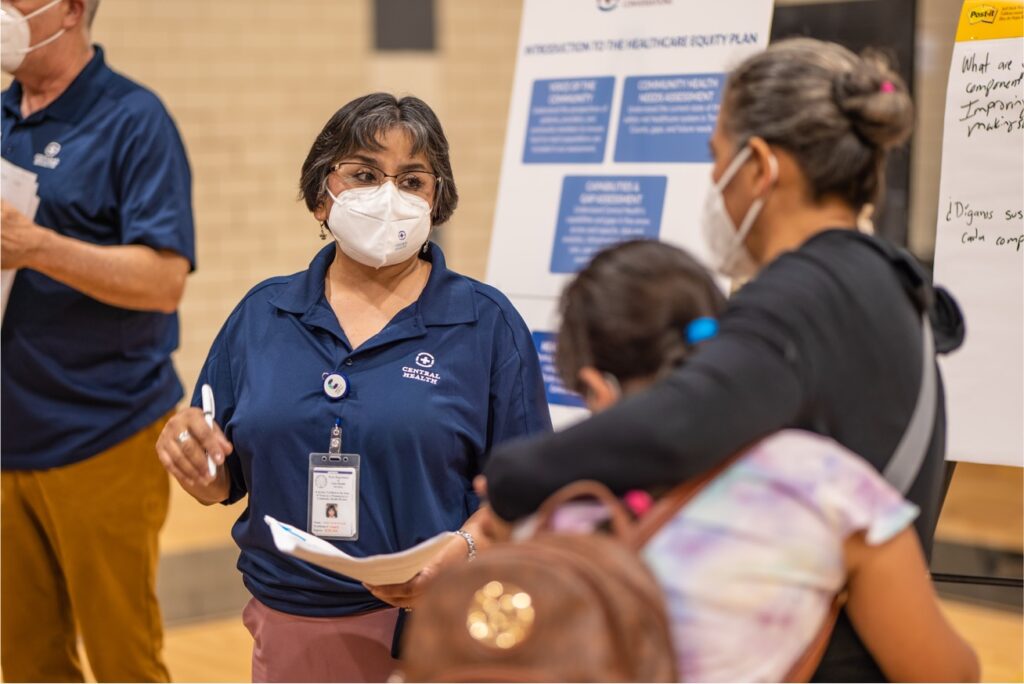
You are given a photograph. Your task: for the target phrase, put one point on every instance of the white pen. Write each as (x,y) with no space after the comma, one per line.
(209,408)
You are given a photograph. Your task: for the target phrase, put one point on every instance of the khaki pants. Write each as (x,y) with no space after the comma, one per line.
(78,555)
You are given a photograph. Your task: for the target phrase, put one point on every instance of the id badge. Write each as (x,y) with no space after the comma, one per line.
(333,509)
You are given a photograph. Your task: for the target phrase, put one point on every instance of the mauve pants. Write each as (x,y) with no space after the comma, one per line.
(292,648)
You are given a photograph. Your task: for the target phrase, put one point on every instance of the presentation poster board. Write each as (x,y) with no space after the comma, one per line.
(979,250)
(612,107)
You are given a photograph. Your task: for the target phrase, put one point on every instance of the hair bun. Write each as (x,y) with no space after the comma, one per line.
(875,101)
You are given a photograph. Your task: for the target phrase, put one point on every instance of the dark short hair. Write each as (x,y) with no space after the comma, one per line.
(837,113)
(626,313)
(359,125)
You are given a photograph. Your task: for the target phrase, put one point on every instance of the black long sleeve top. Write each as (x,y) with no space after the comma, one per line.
(826,338)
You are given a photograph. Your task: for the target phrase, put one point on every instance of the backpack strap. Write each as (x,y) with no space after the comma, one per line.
(667,506)
(912,277)
(622,525)
(905,463)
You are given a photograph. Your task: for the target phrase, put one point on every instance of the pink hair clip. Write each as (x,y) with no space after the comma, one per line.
(887,87)
(638,501)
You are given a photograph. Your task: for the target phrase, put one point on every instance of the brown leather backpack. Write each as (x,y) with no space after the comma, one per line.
(555,607)
(560,607)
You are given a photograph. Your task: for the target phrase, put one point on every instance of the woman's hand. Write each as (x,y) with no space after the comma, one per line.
(406,594)
(492,528)
(456,551)
(182,449)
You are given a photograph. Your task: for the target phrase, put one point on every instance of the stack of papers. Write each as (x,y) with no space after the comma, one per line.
(392,568)
(19,188)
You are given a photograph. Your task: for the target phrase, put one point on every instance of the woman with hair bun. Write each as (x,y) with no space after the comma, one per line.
(750,568)
(827,333)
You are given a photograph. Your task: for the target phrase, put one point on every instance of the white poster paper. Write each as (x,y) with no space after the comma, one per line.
(613,104)
(979,250)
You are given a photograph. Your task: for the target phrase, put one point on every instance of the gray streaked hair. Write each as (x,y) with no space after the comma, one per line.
(90,11)
(359,125)
(837,113)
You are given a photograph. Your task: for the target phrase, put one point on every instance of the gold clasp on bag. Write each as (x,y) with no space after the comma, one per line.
(500,616)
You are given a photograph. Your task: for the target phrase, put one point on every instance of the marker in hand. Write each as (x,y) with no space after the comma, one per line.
(209,408)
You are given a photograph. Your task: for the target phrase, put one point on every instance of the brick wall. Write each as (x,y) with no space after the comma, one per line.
(251,82)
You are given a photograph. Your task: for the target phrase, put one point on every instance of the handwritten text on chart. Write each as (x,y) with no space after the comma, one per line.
(985,225)
(996,98)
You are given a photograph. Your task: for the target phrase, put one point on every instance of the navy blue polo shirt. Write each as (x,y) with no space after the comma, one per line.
(79,376)
(449,377)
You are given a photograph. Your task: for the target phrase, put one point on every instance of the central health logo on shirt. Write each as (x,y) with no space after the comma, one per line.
(424,360)
(48,159)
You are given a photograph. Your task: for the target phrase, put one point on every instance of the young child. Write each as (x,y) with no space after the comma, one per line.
(750,567)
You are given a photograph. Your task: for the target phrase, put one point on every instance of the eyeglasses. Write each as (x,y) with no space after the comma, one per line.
(358,175)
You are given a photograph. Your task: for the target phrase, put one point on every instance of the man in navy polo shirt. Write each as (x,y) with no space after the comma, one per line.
(86,344)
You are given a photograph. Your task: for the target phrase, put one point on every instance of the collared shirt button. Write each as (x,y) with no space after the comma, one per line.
(348,362)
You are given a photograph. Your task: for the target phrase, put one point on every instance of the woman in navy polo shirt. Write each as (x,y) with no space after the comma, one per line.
(423,369)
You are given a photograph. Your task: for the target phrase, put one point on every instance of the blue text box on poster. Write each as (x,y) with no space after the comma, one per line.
(668,118)
(568,121)
(545,342)
(598,211)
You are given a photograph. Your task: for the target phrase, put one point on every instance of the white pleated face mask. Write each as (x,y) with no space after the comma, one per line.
(15,35)
(380,226)
(729,254)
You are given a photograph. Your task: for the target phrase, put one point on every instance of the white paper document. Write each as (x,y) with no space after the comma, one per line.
(6,281)
(392,568)
(19,188)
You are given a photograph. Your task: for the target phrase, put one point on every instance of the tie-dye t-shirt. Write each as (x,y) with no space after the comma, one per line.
(751,565)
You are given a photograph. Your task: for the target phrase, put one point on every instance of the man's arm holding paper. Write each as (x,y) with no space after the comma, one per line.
(146,270)
(128,276)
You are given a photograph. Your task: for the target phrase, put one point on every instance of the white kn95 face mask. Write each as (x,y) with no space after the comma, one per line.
(729,254)
(15,35)
(380,226)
